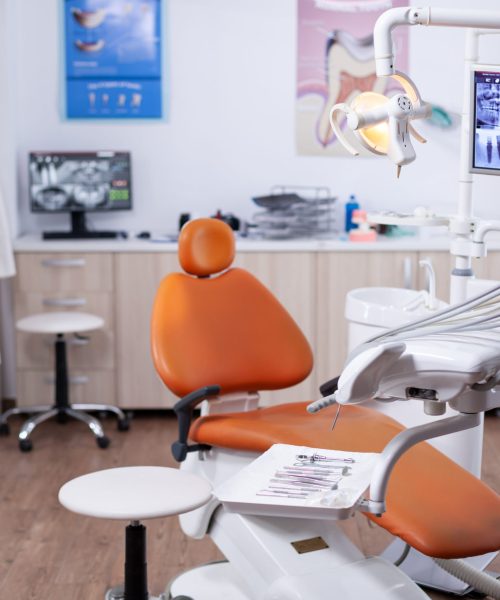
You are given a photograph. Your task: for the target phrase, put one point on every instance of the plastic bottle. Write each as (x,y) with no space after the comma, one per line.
(351,205)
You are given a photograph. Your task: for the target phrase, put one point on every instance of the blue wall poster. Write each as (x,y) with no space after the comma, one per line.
(113,56)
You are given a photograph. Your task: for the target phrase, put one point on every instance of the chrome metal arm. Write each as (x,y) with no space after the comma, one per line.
(403,442)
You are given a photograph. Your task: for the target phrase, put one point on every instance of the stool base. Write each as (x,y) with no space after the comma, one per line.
(74,411)
(117,593)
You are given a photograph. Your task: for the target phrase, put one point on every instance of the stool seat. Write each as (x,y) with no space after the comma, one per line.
(135,493)
(60,322)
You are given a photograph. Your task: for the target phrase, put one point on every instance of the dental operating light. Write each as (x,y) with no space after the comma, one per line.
(383,125)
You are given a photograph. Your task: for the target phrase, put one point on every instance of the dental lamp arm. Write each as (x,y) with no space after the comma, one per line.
(401,444)
(484,227)
(439,17)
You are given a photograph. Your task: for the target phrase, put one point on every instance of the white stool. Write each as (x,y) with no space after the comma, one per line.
(135,494)
(59,324)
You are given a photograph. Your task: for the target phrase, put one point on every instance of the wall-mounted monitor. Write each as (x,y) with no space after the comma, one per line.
(77,183)
(485,120)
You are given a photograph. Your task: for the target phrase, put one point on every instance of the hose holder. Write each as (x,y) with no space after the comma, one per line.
(184,412)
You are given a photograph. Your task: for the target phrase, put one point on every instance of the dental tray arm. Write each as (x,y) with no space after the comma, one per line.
(401,444)
(184,412)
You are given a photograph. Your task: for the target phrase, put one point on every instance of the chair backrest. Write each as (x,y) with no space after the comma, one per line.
(220,326)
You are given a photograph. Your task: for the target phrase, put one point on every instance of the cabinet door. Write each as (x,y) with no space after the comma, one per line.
(291,277)
(338,273)
(138,276)
(442,263)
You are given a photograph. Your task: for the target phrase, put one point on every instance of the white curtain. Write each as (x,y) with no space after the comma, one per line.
(7,265)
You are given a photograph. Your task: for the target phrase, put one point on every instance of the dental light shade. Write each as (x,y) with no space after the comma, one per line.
(381,124)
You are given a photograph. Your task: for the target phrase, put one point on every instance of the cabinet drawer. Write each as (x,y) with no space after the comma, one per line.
(64,272)
(94,350)
(37,387)
(96,303)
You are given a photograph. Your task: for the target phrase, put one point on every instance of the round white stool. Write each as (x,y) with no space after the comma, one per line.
(59,324)
(135,494)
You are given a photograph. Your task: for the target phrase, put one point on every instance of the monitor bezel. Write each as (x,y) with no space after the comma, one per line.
(472,121)
(76,154)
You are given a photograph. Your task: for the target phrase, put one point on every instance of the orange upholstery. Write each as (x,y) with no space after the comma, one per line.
(433,504)
(227,330)
(206,246)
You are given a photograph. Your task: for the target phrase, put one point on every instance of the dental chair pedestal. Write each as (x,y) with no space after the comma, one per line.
(60,324)
(135,494)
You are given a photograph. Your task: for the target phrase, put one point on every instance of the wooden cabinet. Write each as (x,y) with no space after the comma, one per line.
(115,366)
(138,276)
(338,273)
(73,282)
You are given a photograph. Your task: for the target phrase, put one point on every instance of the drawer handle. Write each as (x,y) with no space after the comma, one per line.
(64,301)
(75,379)
(63,262)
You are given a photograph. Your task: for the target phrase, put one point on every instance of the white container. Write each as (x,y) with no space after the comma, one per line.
(370,311)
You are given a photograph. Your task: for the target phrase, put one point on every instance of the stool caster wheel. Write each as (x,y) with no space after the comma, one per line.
(25,445)
(4,429)
(103,442)
(182,598)
(123,424)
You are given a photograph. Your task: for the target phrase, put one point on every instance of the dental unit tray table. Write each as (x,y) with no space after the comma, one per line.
(285,482)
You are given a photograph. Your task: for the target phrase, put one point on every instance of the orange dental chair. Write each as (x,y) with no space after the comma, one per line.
(218,338)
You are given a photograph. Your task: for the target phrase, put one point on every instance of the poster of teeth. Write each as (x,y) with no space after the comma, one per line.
(113,59)
(335,62)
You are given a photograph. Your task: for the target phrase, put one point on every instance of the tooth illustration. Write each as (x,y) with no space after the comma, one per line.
(122,99)
(89,19)
(90,46)
(136,99)
(350,69)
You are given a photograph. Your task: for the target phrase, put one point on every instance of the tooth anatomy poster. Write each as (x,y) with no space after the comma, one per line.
(335,62)
(113,59)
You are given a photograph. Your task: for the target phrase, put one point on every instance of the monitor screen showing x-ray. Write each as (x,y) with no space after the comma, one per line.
(84,181)
(485,130)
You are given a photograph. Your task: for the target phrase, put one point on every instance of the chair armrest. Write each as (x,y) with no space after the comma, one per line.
(184,412)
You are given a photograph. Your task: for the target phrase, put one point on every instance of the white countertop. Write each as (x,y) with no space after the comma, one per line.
(34,243)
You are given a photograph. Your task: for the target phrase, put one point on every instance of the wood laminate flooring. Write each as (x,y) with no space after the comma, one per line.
(48,553)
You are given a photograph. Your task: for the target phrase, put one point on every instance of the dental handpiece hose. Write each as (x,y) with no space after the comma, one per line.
(322,403)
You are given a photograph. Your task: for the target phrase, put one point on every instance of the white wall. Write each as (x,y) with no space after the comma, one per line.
(231,129)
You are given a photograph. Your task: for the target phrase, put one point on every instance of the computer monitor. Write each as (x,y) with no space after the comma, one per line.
(485,117)
(77,183)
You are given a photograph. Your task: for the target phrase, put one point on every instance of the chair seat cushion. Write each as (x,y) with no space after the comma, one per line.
(433,504)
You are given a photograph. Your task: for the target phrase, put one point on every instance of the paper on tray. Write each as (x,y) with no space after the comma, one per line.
(240,491)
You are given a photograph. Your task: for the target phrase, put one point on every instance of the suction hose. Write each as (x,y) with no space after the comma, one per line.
(480,581)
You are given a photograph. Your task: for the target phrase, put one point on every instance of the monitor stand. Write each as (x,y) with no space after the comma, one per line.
(79,230)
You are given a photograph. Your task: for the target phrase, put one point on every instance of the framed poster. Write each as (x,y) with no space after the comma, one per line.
(113,59)
(335,62)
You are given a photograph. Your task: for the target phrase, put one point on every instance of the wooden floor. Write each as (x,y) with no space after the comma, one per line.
(48,553)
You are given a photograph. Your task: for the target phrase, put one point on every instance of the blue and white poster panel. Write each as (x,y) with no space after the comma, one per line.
(114,59)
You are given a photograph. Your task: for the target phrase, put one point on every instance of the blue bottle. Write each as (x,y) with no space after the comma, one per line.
(351,205)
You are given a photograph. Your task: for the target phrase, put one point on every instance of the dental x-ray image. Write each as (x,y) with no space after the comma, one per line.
(486,127)
(69,182)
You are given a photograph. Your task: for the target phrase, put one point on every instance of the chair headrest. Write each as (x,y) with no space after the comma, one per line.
(206,246)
